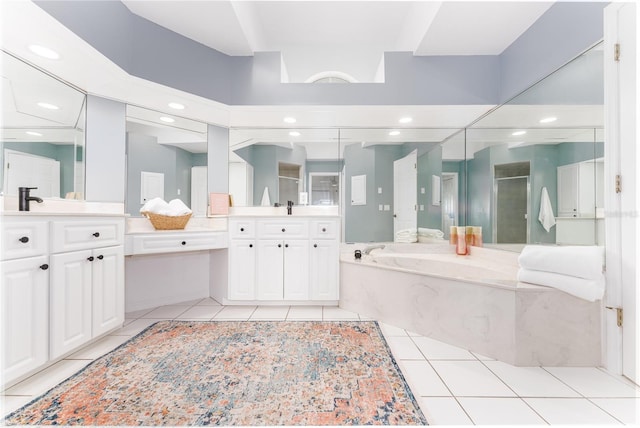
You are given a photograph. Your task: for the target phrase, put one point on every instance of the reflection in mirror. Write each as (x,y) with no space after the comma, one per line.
(273,166)
(42,135)
(166,158)
(535,166)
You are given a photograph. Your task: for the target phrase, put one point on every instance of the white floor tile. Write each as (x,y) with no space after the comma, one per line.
(10,403)
(99,348)
(267,313)
(443,411)
(330,313)
(500,411)
(482,357)
(626,410)
(313,313)
(137,314)
(591,382)
(200,312)
(403,348)
(436,350)
(167,312)
(208,301)
(135,327)
(390,330)
(235,313)
(471,379)
(570,411)
(190,302)
(530,381)
(422,379)
(43,381)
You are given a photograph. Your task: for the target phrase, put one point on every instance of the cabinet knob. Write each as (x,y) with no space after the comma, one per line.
(286,245)
(24,239)
(90,258)
(324,229)
(44,266)
(315,245)
(184,242)
(250,245)
(100,257)
(97,234)
(242,229)
(279,245)
(283,229)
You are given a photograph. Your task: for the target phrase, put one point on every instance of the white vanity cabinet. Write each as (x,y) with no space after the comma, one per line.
(292,259)
(24,297)
(87,286)
(580,189)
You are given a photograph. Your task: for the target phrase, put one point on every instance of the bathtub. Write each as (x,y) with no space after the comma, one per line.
(474,302)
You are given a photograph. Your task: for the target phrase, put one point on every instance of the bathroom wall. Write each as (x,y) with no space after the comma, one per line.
(217,159)
(429,164)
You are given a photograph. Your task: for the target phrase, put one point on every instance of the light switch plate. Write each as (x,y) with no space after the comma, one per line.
(380,207)
(387,207)
(422,190)
(379,190)
(421,207)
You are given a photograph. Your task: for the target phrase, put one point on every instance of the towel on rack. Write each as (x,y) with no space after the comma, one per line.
(587,289)
(574,260)
(546,216)
(431,233)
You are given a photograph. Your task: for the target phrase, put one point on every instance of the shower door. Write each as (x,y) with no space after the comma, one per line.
(512,208)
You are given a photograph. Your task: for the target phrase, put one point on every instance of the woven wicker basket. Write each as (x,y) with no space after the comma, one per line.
(165,222)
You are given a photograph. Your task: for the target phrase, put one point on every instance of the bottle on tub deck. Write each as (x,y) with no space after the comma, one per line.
(453,235)
(461,242)
(477,236)
(469,238)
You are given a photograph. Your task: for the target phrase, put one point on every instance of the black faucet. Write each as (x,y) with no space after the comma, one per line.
(289,207)
(23,201)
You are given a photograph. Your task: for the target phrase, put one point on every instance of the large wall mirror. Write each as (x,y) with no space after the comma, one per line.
(166,158)
(535,166)
(42,134)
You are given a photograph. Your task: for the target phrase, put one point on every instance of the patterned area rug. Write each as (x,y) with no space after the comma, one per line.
(236,373)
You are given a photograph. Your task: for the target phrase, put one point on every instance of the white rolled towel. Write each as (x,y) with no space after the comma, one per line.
(432,233)
(587,289)
(579,261)
(155,205)
(177,208)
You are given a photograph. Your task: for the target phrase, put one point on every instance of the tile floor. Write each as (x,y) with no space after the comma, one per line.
(453,386)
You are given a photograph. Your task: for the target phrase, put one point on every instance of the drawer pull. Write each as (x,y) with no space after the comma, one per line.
(279,245)
(286,245)
(283,229)
(184,242)
(242,229)
(90,258)
(97,234)
(250,245)
(315,245)
(324,229)
(44,266)
(100,257)
(24,239)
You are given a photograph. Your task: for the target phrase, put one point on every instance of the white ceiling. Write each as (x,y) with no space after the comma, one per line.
(346,36)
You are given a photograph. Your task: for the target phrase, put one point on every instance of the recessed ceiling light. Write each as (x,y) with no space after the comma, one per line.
(548,119)
(34,133)
(177,106)
(289,119)
(294,133)
(406,120)
(44,52)
(167,119)
(49,106)
(394,133)
(515,134)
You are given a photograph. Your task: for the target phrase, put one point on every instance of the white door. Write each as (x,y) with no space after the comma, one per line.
(199,194)
(568,190)
(296,269)
(270,273)
(449,201)
(26,170)
(108,289)
(151,186)
(242,269)
(323,270)
(405,193)
(621,159)
(70,321)
(24,296)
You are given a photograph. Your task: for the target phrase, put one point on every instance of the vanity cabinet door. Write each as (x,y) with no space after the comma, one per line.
(296,269)
(108,289)
(24,298)
(242,269)
(270,273)
(568,191)
(323,270)
(71,305)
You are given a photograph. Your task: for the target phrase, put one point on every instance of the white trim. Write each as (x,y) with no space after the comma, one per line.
(337,74)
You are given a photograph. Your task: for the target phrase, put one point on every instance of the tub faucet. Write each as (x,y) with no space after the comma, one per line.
(367,250)
(25,198)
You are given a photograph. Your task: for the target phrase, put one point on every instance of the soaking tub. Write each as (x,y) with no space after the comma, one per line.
(474,302)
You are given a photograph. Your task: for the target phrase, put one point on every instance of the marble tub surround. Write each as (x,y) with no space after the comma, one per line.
(521,324)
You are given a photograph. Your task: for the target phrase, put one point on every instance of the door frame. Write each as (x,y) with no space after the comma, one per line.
(494,207)
(455,177)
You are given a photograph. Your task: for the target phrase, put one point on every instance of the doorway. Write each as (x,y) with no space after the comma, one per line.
(511,203)
(449,201)
(405,193)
